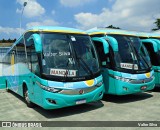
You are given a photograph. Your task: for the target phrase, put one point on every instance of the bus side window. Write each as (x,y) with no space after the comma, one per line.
(32,58)
(152,54)
(104,58)
(7,59)
(21,55)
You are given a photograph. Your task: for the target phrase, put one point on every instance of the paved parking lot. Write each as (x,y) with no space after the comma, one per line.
(137,107)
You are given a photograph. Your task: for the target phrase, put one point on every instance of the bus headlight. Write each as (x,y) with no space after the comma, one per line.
(99,84)
(50,89)
(122,79)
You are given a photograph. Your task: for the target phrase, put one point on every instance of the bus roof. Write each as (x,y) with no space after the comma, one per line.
(106,31)
(143,34)
(51,29)
(148,35)
(55,29)
(154,35)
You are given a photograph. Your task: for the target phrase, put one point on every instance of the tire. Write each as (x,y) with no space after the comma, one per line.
(27,100)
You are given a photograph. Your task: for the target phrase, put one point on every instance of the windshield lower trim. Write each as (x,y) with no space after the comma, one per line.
(70,79)
(133,71)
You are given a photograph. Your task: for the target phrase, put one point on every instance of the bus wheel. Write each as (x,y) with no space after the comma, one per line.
(7,90)
(26,97)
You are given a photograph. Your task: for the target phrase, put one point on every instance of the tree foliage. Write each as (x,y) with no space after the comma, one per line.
(157,23)
(111,26)
(7,40)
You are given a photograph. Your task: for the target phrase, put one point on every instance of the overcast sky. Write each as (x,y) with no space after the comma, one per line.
(137,15)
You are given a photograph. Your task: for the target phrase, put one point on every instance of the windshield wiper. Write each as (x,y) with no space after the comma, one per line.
(67,67)
(139,55)
(144,60)
(84,65)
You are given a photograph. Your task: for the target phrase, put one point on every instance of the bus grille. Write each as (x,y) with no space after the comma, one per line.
(78,91)
(141,81)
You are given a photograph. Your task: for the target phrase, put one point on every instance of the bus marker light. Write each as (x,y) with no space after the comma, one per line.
(81,91)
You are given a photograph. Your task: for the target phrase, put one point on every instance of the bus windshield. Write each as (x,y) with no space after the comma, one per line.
(132,54)
(68,55)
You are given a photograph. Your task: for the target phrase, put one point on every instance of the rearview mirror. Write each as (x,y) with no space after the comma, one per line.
(37,42)
(154,42)
(113,43)
(104,42)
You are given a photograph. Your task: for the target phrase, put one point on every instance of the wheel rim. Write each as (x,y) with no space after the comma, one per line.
(26,97)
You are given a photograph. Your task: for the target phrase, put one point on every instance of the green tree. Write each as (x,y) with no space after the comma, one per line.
(111,26)
(14,40)
(9,40)
(157,23)
(3,41)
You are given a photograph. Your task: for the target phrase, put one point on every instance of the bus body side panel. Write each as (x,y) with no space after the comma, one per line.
(109,83)
(23,77)
(16,75)
(26,79)
(38,96)
(12,78)
(157,75)
(3,51)
(2,82)
(2,78)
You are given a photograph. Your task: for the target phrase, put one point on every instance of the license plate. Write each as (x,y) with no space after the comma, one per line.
(143,87)
(80,101)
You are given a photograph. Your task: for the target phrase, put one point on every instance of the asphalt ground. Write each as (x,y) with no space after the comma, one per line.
(136,107)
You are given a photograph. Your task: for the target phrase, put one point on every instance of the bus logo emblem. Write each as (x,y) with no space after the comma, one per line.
(81,91)
(143,81)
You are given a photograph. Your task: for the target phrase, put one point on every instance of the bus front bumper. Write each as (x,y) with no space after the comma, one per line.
(55,100)
(124,88)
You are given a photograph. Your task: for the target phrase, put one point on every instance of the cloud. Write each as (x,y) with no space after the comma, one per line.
(110,0)
(32,9)
(47,22)
(131,15)
(8,30)
(74,3)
